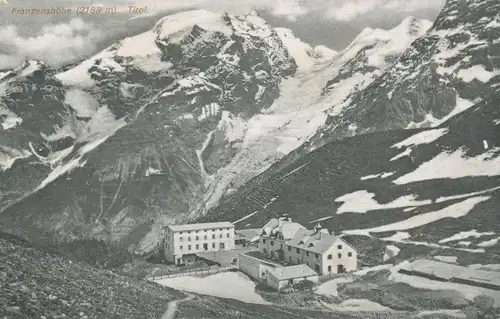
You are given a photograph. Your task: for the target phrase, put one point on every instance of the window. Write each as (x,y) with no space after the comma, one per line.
(189,247)
(213,245)
(272,243)
(220,235)
(227,235)
(264,250)
(317,256)
(213,236)
(298,251)
(289,248)
(349,254)
(181,247)
(329,268)
(264,241)
(307,253)
(197,237)
(339,246)
(290,259)
(281,246)
(221,245)
(340,255)
(180,233)
(181,239)
(206,237)
(205,230)
(197,231)
(189,238)
(197,246)
(330,256)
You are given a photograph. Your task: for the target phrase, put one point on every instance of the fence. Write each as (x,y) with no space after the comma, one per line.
(195,272)
(331,276)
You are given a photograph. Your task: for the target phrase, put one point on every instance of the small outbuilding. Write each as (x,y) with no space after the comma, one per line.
(283,277)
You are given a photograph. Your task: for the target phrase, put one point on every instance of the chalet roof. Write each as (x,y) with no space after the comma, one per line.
(287,228)
(292,272)
(313,240)
(200,226)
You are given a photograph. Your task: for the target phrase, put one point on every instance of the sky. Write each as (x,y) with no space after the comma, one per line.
(62,38)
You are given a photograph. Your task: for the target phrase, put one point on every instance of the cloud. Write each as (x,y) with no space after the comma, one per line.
(55,44)
(346,10)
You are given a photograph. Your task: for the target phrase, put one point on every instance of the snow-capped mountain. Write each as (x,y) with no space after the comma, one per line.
(371,52)
(140,127)
(441,74)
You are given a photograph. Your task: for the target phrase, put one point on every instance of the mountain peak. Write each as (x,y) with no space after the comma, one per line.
(414,26)
(177,25)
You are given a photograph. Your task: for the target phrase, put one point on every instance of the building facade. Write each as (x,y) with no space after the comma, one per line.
(291,243)
(284,277)
(182,242)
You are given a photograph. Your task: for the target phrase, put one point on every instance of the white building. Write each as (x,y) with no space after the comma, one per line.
(283,277)
(182,242)
(292,243)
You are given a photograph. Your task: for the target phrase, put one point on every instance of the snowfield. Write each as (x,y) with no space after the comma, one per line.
(453,211)
(233,285)
(454,165)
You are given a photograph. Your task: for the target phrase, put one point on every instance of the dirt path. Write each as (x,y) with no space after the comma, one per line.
(172,307)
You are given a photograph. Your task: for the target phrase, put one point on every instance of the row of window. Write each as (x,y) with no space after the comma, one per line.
(316,256)
(221,246)
(349,254)
(204,237)
(205,230)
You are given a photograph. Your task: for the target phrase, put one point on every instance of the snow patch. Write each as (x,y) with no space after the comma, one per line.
(231,285)
(464,235)
(362,201)
(211,109)
(453,211)
(357,305)
(82,102)
(178,25)
(399,236)
(381,175)
(478,72)
(425,137)
(59,133)
(390,252)
(10,119)
(152,171)
(79,75)
(304,55)
(489,243)
(9,155)
(233,127)
(454,165)
(406,152)
(447,259)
